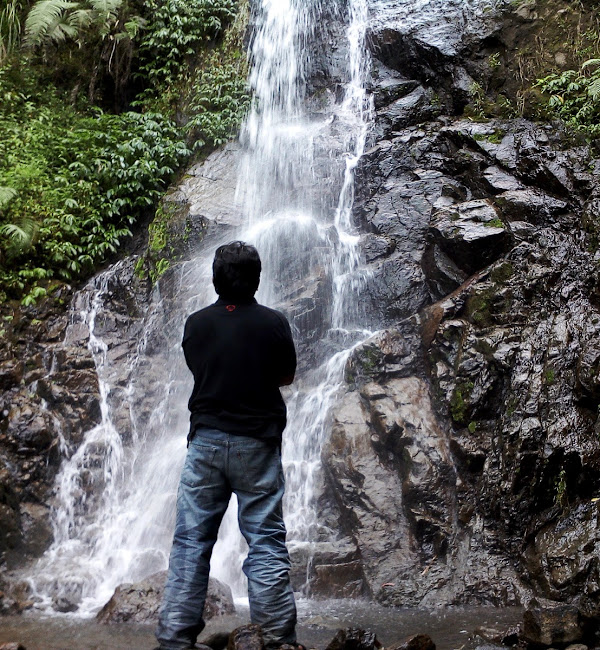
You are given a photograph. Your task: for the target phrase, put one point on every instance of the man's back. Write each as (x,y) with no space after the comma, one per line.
(239,353)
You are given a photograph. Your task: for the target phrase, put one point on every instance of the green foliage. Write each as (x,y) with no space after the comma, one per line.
(7,194)
(176,30)
(218,103)
(81,180)
(574,96)
(494,61)
(164,237)
(19,236)
(56,21)
(212,93)
(33,296)
(561,498)
(502,272)
(478,308)
(459,406)
(74,178)
(84,40)
(160,268)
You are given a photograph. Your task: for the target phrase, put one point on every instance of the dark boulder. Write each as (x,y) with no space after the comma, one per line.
(354,639)
(552,625)
(247,637)
(140,602)
(418,642)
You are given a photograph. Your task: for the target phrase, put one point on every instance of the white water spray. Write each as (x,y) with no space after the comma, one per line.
(115,501)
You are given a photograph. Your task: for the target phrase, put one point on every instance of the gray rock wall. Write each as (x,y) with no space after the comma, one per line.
(469,426)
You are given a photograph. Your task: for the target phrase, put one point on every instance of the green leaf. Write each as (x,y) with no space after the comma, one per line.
(44,19)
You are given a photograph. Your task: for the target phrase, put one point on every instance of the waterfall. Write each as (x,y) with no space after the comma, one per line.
(115,492)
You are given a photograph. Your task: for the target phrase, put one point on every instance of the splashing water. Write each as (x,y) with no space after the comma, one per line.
(116,490)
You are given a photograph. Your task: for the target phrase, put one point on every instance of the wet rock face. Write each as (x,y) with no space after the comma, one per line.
(469,427)
(562,558)
(464,458)
(49,390)
(51,398)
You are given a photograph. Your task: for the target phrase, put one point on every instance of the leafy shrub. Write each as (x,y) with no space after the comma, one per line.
(194,68)
(81,179)
(176,30)
(218,102)
(575,96)
(73,179)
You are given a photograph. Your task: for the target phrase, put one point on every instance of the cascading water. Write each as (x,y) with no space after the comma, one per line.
(116,492)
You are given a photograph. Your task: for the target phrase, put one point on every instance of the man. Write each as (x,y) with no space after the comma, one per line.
(240,353)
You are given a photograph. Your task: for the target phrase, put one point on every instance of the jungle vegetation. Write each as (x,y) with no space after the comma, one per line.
(101,103)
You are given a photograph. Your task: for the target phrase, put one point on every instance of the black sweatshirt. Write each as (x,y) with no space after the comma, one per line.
(240,353)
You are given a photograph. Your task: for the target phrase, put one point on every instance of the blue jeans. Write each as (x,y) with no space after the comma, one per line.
(216,465)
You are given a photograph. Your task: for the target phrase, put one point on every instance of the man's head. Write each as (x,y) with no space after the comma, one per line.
(236,270)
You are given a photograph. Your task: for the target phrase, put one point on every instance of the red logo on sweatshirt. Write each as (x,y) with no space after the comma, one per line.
(230,307)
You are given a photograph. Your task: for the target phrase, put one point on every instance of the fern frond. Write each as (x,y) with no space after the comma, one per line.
(107,8)
(20,235)
(62,32)
(590,62)
(7,194)
(43,19)
(81,18)
(594,89)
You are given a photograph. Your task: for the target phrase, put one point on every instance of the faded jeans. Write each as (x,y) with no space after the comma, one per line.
(216,465)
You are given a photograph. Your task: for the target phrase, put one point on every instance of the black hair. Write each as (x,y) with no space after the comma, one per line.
(236,270)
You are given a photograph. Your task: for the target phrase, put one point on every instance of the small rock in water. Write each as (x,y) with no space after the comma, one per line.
(247,637)
(512,635)
(489,634)
(354,639)
(64,605)
(417,642)
(217,640)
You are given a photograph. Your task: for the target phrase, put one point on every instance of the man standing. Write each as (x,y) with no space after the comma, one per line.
(240,353)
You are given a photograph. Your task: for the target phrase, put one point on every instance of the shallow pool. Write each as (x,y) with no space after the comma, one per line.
(450,628)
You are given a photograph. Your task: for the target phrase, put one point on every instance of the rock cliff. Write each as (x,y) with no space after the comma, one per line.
(463,464)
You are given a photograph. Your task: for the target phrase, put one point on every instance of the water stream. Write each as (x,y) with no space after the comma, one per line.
(115,491)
